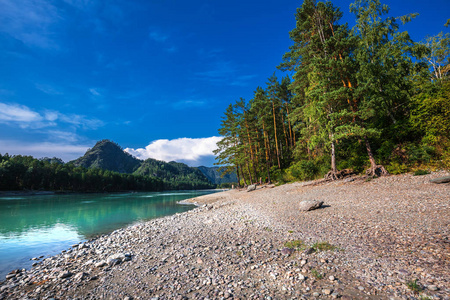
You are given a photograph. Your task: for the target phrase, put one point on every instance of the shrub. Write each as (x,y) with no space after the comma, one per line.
(304,170)
(421,172)
(397,168)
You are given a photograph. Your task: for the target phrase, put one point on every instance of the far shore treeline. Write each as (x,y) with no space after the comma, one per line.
(362,99)
(104,168)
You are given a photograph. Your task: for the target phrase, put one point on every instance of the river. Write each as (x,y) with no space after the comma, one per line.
(44,225)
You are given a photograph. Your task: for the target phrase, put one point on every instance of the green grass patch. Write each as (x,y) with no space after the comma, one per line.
(316,274)
(295,244)
(323,246)
(414,286)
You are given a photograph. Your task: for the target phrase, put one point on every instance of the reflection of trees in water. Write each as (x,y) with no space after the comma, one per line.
(91,214)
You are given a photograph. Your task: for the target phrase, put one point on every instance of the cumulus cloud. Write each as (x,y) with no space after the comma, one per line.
(191,151)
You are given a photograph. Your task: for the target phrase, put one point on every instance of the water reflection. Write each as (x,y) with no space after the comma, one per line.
(44,225)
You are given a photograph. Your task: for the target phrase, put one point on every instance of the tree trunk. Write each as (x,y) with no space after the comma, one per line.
(276,139)
(251,150)
(238,177)
(268,173)
(243,177)
(375,170)
(333,157)
(249,173)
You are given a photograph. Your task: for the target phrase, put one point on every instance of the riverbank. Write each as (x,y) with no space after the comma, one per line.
(386,233)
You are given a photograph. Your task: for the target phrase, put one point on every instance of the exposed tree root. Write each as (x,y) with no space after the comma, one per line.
(378,170)
(339,174)
(331,175)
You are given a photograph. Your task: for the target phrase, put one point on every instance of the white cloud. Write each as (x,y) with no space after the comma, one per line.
(18,114)
(189,150)
(30,21)
(24,117)
(64,151)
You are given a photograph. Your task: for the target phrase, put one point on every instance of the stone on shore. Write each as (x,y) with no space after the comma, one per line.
(251,187)
(441,180)
(307,205)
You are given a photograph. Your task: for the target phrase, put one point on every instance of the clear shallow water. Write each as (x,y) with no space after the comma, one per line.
(47,224)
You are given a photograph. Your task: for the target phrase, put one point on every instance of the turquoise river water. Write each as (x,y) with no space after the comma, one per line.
(32,226)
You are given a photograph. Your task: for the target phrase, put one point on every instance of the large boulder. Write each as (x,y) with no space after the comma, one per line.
(251,187)
(307,205)
(441,180)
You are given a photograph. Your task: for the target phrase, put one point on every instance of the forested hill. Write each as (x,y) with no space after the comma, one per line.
(104,168)
(110,156)
(216,177)
(177,174)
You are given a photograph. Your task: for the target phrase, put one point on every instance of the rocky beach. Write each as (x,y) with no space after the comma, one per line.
(385,238)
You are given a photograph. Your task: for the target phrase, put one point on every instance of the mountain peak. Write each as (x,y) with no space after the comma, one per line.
(108,155)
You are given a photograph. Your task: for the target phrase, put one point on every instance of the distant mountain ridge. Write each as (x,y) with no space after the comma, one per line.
(215,176)
(110,156)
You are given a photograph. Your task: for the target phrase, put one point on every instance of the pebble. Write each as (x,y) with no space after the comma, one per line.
(234,255)
(327,291)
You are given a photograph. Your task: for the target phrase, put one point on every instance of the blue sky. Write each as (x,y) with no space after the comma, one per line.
(155,76)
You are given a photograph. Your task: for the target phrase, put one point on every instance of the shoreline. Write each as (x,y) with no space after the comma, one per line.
(387,233)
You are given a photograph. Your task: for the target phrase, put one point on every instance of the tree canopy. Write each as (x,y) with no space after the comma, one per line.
(368,97)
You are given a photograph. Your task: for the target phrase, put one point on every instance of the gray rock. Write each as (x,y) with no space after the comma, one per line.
(327,291)
(9,276)
(432,288)
(307,205)
(251,187)
(101,264)
(441,180)
(309,251)
(287,251)
(80,276)
(64,274)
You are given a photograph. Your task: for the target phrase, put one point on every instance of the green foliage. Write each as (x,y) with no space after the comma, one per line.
(430,114)
(177,176)
(108,155)
(304,170)
(397,168)
(323,246)
(421,172)
(356,96)
(295,244)
(316,274)
(26,173)
(414,286)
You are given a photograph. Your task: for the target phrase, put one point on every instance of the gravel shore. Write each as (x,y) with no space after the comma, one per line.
(387,238)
